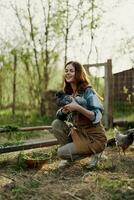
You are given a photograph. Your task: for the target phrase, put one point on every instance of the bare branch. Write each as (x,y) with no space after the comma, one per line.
(33,39)
(19,20)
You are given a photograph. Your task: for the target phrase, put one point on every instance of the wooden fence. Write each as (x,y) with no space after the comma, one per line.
(108,90)
(27,145)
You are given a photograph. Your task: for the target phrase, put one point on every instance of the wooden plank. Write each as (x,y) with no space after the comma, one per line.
(14,129)
(96,65)
(29,145)
(35,128)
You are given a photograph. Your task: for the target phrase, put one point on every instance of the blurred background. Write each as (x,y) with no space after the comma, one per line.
(37,38)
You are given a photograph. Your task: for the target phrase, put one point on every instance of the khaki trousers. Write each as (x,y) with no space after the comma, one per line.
(78,141)
(61,131)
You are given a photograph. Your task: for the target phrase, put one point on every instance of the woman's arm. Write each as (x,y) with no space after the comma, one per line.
(94,107)
(74,106)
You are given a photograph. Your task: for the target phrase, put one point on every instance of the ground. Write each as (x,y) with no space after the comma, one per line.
(113,179)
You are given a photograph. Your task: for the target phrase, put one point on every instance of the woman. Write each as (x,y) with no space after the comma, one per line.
(86,135)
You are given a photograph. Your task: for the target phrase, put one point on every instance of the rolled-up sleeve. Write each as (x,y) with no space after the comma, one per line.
(98,116)
(94,105)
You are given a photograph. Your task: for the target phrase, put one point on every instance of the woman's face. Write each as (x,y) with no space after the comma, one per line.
(70,73)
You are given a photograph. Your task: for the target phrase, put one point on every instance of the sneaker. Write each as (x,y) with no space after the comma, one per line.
(94,161)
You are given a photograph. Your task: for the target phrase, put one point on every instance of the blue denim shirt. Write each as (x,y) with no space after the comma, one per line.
(93,104)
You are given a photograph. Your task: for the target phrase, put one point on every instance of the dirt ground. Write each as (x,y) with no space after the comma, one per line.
(113,179)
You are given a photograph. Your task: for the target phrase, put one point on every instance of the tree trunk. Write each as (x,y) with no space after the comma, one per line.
(14,84)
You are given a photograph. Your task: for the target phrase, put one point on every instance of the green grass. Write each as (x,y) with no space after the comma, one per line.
(123,111)
(111,180)
(21,119)
(116,187)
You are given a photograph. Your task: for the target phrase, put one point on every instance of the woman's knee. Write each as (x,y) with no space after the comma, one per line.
(62,152)
(67,150)
(57,123)
(59,152)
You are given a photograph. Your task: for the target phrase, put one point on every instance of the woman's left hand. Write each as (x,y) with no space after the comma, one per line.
(73,106)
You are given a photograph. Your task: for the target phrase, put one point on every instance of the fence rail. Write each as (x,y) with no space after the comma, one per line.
(27,144)
(37,128)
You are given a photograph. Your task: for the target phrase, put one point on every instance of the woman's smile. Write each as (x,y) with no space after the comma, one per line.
(69,73)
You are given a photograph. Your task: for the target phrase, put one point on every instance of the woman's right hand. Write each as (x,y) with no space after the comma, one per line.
(65,111)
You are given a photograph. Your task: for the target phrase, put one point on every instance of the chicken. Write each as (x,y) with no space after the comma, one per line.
(124,140)
(111,142)
(63,99)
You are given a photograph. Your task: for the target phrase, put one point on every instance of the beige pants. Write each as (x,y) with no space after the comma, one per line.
(78,142)
(61,131)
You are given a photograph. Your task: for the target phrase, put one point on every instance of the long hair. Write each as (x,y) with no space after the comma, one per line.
(81,79)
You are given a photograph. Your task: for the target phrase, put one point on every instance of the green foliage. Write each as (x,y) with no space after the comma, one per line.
(36,156)
(56,79)
(123,110)
(10,128)
(110,133)
(19,191)
(20,164)
(116,187)
(29,86)
(21,119)
(98,84)
(10,143)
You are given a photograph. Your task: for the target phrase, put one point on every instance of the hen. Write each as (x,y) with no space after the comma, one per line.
(63,99)
(123,141)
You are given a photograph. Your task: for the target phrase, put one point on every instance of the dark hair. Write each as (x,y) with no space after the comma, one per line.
(82,81)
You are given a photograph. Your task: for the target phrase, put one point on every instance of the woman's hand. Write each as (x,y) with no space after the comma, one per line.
(73,106)
(65,111)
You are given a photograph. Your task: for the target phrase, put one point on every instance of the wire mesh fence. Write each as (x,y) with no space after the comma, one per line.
(123,104)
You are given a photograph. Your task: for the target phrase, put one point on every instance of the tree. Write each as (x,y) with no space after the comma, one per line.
(14,53)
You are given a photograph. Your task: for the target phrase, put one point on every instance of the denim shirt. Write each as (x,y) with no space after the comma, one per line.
(93,104)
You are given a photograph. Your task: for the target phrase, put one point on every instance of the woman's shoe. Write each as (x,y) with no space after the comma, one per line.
(94,161)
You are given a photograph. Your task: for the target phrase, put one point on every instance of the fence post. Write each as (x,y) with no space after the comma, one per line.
(108,115)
